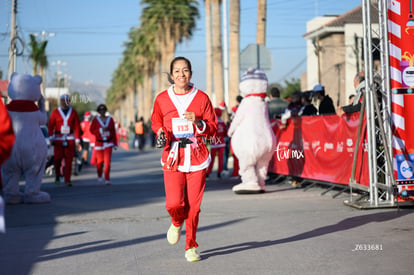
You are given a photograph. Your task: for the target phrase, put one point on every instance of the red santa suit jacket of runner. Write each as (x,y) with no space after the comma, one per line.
(197,157)
(218,141)
(102,141)
(87,136)
(56,122)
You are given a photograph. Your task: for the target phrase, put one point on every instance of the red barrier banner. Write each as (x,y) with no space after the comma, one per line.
(320,148)
(401,57)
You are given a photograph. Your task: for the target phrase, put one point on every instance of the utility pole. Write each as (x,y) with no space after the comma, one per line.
(261,22)
(12,48)
(225,55)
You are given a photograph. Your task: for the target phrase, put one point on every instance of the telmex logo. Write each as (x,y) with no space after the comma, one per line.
(406,169)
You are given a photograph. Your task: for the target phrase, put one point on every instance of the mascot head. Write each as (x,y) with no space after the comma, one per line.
(253,82)
(24,87)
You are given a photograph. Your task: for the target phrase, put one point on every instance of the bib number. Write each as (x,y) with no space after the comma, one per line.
(182,128)
(65,130)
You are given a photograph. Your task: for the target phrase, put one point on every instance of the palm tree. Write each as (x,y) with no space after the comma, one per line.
(38,53)
(209,56)
(217,52)
(38,56)
(261,22)
(173,20)
(147,57)
(150,48)
(234,55)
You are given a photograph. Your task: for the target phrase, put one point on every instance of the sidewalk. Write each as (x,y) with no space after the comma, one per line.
(120,229)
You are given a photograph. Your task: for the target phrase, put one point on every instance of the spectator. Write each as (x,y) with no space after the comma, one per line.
(351,99)
(355,106)
(292,109)
(140,131)
(276,105)
(326,106)
(307,108)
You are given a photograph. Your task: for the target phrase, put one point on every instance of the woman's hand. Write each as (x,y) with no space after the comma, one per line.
(192,117)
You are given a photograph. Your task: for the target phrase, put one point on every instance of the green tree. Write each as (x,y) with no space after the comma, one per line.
(38,55)
(172,21)
(290,86)
(149,50)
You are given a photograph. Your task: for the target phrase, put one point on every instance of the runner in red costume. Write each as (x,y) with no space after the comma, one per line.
(103,128)
(64,132)
(184,115)
(7,136)
(88,139)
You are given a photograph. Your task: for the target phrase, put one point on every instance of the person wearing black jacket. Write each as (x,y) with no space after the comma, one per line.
(326,106)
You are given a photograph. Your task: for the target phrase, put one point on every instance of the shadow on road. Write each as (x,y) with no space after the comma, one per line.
(343,225)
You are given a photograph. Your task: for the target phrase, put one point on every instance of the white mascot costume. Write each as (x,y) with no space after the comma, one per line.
(29,153)
(252,138)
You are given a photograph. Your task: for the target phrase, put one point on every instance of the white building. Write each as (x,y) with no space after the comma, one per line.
(335,53)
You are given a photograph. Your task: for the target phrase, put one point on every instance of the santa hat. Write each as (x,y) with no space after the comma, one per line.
(254,81)
(222,105)
(218,112)
(87,114)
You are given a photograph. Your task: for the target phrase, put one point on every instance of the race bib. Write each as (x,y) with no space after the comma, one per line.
(182,128)
(105,134)
(65,129)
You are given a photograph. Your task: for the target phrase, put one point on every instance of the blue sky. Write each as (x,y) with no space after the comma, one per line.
(90,34)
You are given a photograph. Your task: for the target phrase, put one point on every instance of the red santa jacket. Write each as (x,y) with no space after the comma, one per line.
(63,126)
(169,107)
(217,141)
(87,135)
(6,133)
(104,132)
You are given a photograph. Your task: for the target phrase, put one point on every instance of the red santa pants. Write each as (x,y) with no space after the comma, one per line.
(65,153)
(103,158)
(213,153)
(235,164)
(183,194)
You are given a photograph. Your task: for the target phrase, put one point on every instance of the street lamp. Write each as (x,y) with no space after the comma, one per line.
(58,63)
(44,34)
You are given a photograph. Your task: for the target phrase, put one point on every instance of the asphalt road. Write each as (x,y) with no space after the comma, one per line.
(121,229)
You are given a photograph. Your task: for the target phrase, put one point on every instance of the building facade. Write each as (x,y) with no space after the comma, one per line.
(335,53)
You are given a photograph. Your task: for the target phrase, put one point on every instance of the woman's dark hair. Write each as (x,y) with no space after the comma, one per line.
(180,58)
(101,106)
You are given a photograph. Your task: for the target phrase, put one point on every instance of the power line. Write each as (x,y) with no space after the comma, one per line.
(293,69)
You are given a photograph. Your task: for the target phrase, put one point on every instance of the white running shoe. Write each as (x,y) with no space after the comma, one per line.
(192,255)
(173,234)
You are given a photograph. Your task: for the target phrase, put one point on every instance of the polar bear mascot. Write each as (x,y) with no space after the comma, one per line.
(252,138)
(29,153)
